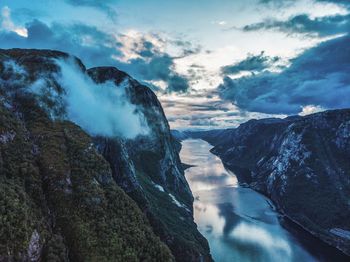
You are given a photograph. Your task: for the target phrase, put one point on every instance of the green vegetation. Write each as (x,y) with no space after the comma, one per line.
(62,200)
(175,224)
(53,181)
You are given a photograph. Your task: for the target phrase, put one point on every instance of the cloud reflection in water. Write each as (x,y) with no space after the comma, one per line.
(239,223)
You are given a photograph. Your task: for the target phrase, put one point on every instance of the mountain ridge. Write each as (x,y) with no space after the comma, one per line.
(84,196)
(301,163)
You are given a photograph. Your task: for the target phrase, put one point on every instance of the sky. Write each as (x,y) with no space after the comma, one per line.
(212,63)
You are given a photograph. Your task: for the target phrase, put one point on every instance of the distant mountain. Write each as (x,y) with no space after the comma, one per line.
(71,191)
(179,135)
(301,163)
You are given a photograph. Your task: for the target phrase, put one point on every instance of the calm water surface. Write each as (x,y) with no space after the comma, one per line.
(239,223)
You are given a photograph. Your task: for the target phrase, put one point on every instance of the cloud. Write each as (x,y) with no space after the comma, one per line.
(277,3)
(100,109)
(199,111)
(73,39)
(219,22)
(319,77)
(105,6)
(186,47)
(8,25)
(310,109)
(303,24)
(143,57)
(159,67)
(338,2)
(253,63)
(284,3)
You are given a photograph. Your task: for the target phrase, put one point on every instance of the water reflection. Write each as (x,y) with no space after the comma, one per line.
(239,223)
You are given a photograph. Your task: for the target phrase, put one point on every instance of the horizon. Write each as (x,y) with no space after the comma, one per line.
(212,64)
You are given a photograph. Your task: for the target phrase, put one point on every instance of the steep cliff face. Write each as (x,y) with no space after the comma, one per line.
(302,163)
(63,188)
(158,145)
(156,180)
(59,201)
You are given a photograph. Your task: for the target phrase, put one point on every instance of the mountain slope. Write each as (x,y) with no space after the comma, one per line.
(63,187)
(158,177)
(301,163)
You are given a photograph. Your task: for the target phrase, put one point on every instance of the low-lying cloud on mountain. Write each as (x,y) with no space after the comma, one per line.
(100,109)
(257,58)
(147,62)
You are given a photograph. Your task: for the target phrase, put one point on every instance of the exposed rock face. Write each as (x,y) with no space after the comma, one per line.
(159,142)
(301,163)
(34,248)
(153,161)
(63,192)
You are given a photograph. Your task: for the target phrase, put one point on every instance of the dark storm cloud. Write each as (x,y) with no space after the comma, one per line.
(178,83)
(158,66)
(104,5)
(253,63)
(187,47)
(303,24)
(320,76)
(97,48)
(65,38)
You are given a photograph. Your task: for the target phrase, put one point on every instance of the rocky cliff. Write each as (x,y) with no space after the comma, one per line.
(301,163)
(72,193)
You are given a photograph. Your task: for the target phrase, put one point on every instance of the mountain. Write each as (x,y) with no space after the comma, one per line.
(76,184)
(179,135)
(301,163)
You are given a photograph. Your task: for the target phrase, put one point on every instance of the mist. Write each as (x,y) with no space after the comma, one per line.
(100,109)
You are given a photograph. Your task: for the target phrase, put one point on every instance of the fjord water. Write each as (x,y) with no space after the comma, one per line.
(239,223)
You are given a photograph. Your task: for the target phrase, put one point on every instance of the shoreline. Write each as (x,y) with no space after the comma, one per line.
(285,215)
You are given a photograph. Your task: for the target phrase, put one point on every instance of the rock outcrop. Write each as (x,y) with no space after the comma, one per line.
(70,195)
(301,163)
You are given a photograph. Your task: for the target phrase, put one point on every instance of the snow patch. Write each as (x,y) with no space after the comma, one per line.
(173,198)
(291,149)
(175,201)
(340,233)
(343,135)
(159,187)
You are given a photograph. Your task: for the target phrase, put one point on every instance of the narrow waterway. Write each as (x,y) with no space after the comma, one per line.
(239,223)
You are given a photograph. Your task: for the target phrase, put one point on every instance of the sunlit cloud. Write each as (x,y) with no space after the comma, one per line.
(8,25)
(187,60)
(220,22)
(133,43)
(310,109)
